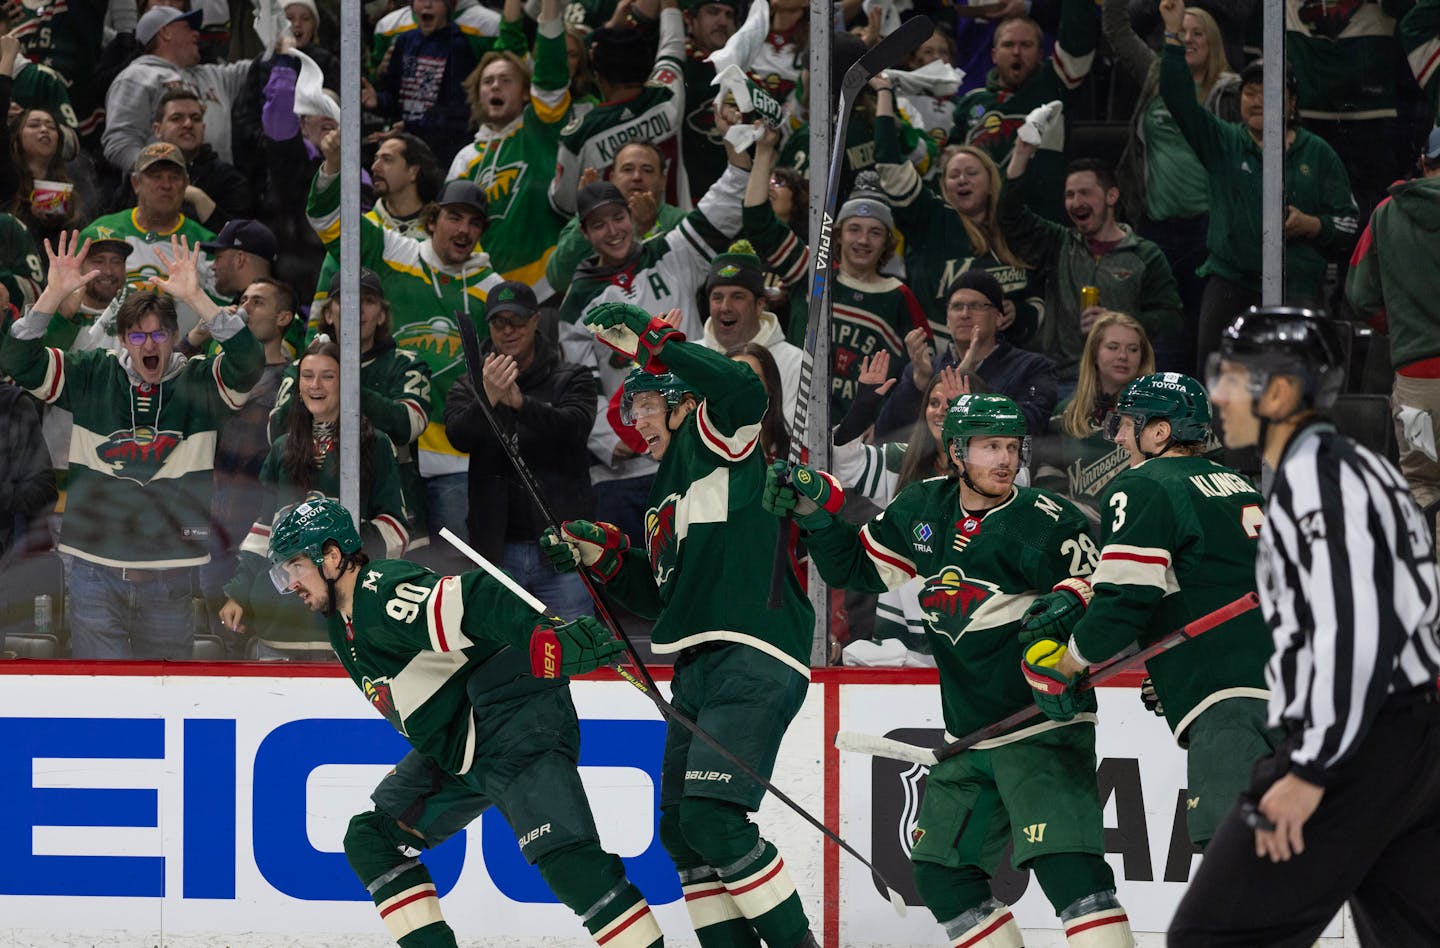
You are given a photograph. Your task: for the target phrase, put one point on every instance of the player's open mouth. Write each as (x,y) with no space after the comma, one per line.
(652,440)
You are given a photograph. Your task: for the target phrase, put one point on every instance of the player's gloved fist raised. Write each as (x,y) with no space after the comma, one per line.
(596,546)
(628,329)
(571,648)
(814,497)
(1054,614)
(1149,698)
(1054,691)
(1039,122)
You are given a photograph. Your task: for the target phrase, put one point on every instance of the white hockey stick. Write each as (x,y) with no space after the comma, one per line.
(495,572)
(886,747)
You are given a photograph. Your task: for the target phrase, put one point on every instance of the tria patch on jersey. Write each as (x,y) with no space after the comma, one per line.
(947,601)
(922,533)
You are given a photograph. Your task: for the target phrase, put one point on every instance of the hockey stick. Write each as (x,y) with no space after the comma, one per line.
(899,750)
(470,342)
(669,711)
(890,51)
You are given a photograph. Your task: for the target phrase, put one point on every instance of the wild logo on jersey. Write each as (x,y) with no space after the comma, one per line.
(377,692)
(995,133)
(438,338)
(139,454)
(660,540)
(948,600)
(499,184)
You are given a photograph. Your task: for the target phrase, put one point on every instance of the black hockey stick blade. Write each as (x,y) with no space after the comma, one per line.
(892,50)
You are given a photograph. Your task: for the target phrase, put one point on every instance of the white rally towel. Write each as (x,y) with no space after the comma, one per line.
(270,23)
(744,45)
(751,100)
(938,79)
(310,97)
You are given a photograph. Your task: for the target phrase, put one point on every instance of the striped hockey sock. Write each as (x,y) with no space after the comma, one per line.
(410,908)
(621,918)
(989,925)
(761,889)
(718,921)
(1097,921)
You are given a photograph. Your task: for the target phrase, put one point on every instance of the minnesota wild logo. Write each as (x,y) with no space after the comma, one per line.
(139,454)
(661,542)
(948,601)
(500,185)
(436,340)
(382,699)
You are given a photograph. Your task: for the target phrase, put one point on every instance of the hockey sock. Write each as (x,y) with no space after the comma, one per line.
(383,856)
(592,883)
(1081,886)
(961,902)
(717,920)
(755,876)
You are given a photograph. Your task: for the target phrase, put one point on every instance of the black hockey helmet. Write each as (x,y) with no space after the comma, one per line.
(1287,340)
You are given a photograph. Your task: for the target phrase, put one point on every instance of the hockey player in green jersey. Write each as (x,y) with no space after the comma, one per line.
(1179,541)
(741,670)
(988,549)
(444,660)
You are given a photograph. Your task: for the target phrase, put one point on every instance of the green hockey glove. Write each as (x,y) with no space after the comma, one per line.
(571,648)
(628,330)
(596,546)
(1054,691)
(1054,614)
(1150,698)
(814,497)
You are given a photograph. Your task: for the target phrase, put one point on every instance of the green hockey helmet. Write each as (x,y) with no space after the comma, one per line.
(304,530)
(984,416)
(1171,396)
(672,386)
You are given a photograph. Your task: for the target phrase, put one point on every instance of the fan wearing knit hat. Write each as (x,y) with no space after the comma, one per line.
(871,312)
(735,290)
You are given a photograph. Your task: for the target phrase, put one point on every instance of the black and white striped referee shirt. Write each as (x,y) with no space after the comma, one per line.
(1351,591)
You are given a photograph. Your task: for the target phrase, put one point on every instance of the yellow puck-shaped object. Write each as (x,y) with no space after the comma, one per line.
(1045,653)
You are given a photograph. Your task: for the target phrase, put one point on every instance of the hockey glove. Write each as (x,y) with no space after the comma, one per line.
(596,546)
(571,648)
(1054,614)
(628,329)
(814,497)
(1149,698)
(1054,692)
(1039,122)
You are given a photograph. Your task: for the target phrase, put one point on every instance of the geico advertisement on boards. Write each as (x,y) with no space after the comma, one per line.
(179,807)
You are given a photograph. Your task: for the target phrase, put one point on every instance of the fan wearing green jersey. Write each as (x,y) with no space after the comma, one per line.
(444,660)
(1179,535)
(741,669)
(987,550)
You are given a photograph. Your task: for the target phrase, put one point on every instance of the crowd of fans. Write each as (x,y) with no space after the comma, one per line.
(1050,199)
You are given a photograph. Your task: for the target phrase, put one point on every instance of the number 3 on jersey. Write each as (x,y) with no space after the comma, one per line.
(1117,501)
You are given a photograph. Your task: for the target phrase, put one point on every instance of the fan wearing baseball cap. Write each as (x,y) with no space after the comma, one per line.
(550,404)
(170,43)
(159,176)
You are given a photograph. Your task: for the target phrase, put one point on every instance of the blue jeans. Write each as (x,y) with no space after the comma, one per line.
(563,594)
(111,617)
(624,503)
(447,503)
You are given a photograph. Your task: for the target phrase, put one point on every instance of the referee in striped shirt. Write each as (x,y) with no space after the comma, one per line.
(1349,806)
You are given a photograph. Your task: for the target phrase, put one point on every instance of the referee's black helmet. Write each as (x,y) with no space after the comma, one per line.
(1287,340)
